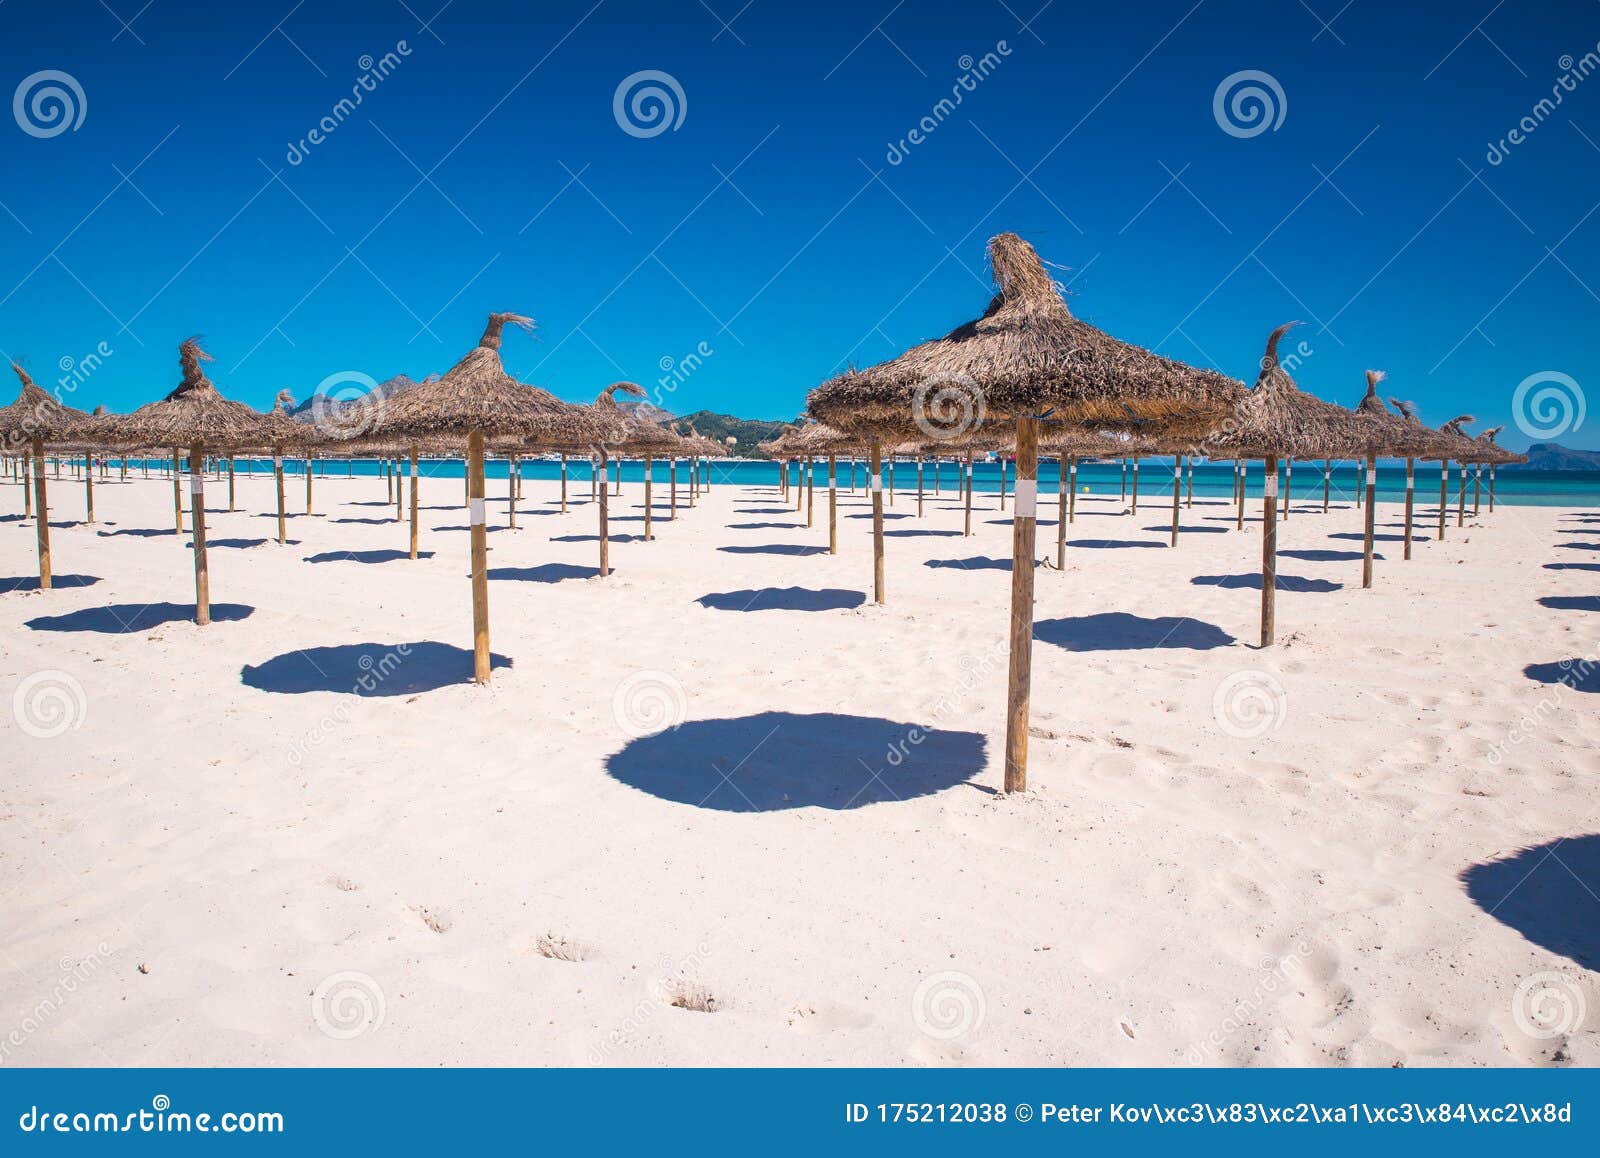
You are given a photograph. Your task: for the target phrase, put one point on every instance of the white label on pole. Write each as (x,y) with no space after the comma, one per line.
(475,512)
(1372,476)
(277,462)
(197,483)
(1027,498)
(1270,485)
(1325,473)
(413,470)
(875,483)
(1410,484)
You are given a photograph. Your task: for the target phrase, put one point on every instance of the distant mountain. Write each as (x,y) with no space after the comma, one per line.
(647,410)
(1554,456)
(301,411)
(746,431)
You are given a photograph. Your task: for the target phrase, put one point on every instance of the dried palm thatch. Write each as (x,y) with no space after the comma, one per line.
(1400,438)
(706,447)
(195,414)
(1026,355)
(1498,455)
(627,432)
(1453,444)
(37,416)
(818,439)
(477,396)
(1277,419)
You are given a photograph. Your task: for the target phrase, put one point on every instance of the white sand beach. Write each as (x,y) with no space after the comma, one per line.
(302,836)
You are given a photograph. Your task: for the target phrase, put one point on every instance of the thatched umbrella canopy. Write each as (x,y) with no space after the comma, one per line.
(476,400)
(27,425)
(1451,442)
(1500,457)
(1396,437)
(1025,357)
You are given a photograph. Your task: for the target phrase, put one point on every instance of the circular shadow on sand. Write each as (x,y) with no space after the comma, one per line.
(128,618)
(1550,893)
(366,669)
(1119,631)
(780,760)
(1581,675)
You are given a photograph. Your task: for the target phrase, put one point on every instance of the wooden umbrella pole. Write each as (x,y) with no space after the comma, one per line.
(413,502)
(694,479)
(1411,495)
(177,495)
(1461,499)
(1072,490)
(919,486)
(648,533)
(1177,479)
(27,486)
(616,476)
(799,484)
(41,504)
(811,490)
(1269,552)
(890,473)
(605,523)
(277,474)
(593,470)
(309,472)
(1491,488)
(1477,489)
(967,532)
(1288,482)
(1002,482)
(1444,494)
(1327,483)
(399,487)
(231,506)
(1188,497)
(833,505)
(875,484)
(512,478)
(672,474)
(1238,493)
(197,522)
(1124,480)
(1136,484)
(1020,674)
(563,484)
(480,558)
(88,493)
(1366,546)
(1061,512)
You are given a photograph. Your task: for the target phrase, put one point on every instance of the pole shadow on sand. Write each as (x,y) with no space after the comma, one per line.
(775,761)
(1550,893)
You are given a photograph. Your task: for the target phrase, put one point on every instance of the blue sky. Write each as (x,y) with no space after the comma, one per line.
(769,232)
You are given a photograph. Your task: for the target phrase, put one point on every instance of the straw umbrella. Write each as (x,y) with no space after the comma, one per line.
(1452,443)
(1278,420)
(1395,436)
(477,399)
(1026,356)
(634,435)
(32,421)
(196,416)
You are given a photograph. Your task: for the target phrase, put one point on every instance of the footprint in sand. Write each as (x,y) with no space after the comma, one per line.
(558,948)
(810,1018)
(343,883)
(435,918)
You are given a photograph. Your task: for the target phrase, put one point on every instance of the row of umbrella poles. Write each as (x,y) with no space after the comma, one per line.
(473,406)
(1029,363)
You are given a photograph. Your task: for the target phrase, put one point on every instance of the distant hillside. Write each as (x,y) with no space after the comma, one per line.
(1554,456)
(645,409)
(748,431)
(301,411)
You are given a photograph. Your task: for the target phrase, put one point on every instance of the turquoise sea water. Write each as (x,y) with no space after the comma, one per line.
(1512,487)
